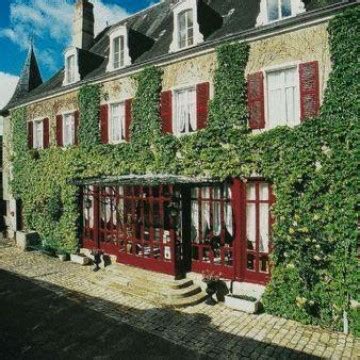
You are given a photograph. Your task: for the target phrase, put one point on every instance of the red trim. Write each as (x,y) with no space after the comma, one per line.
(128,118)
(166,111)
(104,129)
(59,130)
(309,89)
(256,103)
(202,104)
(46,134)
(77,124)
(30,135)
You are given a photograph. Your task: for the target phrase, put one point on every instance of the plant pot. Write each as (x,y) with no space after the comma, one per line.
(245,305)
(63,257)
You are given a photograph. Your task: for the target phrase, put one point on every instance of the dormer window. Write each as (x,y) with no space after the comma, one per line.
(72,74)
(118,44)
(186,28)
(119,55)
(70,68)
(278,9)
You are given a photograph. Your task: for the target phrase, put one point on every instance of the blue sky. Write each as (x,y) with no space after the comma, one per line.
(50,23)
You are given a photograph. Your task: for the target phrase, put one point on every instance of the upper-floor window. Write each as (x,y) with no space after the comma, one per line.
(186,28)
(117,123)
(68,130)
(185,119)
(118,54)
(38,134)
(283,103)
(70,69)
(278,9)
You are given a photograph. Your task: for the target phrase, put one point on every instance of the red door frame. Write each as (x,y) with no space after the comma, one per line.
(94,242)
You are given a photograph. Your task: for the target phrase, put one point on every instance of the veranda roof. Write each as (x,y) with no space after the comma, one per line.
(144,180)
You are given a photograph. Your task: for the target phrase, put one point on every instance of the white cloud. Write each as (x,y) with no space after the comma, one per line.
(52,20)
(7,87)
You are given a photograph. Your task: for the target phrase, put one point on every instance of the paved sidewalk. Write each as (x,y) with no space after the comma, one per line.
(213,331)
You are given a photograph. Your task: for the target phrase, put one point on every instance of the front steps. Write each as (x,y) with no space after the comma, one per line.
(160,289)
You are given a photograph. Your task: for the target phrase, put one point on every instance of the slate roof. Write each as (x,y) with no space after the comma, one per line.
(156,24)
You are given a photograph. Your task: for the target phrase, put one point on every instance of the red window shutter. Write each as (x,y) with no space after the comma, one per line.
(309,89)
(46,133)
(256,103)
(104,128)
(202,104)
(166,111)
(30,135)
(59,130)
(128,118)
(77,123)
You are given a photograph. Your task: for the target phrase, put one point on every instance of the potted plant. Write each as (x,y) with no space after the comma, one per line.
(245,303)
(215,286)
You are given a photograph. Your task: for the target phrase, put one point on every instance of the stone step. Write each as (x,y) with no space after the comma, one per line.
(167,301)
(163,291)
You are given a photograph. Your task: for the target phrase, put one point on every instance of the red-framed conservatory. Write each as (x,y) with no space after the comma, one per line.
(177,225)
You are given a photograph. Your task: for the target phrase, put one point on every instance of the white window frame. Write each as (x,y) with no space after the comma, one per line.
(297,7)
(179,8)
(38,143)
(175,91)
(120,31)
(110,123)
(282,67)
(67,144)
(76,75)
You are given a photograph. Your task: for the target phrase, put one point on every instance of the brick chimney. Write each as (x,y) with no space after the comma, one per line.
(83,28)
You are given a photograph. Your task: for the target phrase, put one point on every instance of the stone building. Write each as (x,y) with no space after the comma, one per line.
(166,222)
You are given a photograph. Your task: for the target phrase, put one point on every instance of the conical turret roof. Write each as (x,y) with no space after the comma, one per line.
(30,78)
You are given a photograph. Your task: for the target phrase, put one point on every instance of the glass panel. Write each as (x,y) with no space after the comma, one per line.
(250,262)
(118,49)
(264,228)
(285,8)
(69,130)
(273,10)
(117,122)
(251,191)
(71,68)
(251,226)
(264,191)
(264,264)
(185,111)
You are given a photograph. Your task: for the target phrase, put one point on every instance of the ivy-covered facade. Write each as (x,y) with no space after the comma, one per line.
(224,188)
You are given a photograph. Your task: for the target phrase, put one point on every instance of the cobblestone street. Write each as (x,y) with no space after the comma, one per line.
(78,317)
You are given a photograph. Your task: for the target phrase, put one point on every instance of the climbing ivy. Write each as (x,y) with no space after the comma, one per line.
(313,168)
(89,98)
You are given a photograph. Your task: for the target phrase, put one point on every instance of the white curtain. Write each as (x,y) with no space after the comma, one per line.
(186,111)
(251,224)
(205,210)
(217,211)
(228,211)
(195,216)
(264,227)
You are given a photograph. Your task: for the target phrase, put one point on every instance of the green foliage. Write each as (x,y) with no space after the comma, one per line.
(89,98)
(313,168)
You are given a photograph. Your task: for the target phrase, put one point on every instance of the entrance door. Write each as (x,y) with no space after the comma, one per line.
(256,245)
(213,230)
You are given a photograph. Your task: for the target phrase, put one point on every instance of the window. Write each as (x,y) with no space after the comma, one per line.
(38,134)
(186,29)
(283,102)
(69,130)
(278,9)
(118,55)
(70,69)
(117,123)
(185,111)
